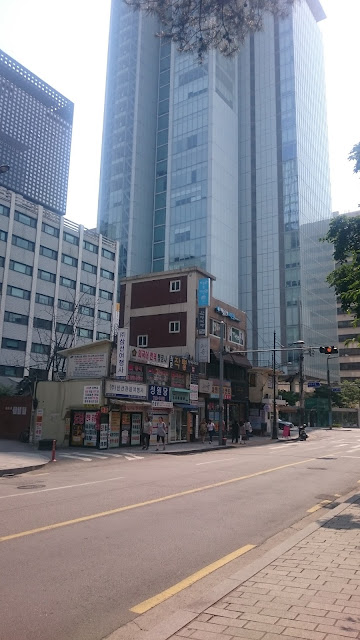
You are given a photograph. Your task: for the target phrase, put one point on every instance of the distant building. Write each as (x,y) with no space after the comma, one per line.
(58,285)
(35,136)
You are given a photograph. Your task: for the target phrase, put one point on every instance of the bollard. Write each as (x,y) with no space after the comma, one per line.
(53,459)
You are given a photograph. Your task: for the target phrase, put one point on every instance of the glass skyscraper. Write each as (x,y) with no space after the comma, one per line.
(35,136)
(225,165)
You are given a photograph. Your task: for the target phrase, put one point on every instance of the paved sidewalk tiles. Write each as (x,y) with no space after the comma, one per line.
(310,592)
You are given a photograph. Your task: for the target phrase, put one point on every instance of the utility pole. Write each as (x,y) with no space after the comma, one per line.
(221,385)
(329,392)
(301,387)
(274,434)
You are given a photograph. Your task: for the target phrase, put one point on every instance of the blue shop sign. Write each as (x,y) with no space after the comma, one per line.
(158,393)
(204,292)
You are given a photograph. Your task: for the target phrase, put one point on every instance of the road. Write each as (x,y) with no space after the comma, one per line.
(81,543)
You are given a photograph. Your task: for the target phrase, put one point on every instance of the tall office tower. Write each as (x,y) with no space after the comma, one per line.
(35,136)
(224,165)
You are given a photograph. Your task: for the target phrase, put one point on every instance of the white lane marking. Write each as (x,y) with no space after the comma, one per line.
(115,455)
(354,448)
(132,459)
(74,456)
(341,445)
(214,461)
(96,454)
(68,486)
(352,457)
(134,455)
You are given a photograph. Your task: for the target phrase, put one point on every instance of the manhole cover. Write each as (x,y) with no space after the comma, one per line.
(31,486)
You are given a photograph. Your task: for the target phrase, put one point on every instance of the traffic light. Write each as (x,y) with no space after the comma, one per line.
(328,350)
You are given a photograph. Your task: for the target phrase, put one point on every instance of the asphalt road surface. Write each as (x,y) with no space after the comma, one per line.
(83,543)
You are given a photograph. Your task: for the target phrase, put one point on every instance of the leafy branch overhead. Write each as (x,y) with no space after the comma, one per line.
(344,234)
(354,156)
(201,25)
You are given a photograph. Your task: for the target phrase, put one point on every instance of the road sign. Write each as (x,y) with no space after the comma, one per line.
(314,384)
(336,389)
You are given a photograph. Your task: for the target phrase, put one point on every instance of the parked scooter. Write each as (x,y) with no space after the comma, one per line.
(302,433)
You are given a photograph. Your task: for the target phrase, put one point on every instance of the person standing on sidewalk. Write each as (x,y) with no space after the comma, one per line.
(161,433)
(147,430)
(235,431)
(242,432)
(203,430)
(248,429)
(211,429)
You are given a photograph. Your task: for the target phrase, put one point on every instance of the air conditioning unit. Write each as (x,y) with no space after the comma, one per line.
(227,349)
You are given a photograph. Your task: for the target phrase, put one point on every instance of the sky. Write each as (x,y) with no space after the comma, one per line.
(65,44)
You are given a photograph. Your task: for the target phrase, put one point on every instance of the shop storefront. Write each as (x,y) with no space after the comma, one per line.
(184,419)
(128,409)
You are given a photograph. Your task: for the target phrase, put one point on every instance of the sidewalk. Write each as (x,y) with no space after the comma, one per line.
(307,588)
(19,457)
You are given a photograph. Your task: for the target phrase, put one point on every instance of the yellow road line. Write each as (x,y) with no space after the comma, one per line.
(319,506)
(102,514)
(187,582)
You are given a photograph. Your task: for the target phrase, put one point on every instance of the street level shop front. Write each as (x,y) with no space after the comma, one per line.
(128,408)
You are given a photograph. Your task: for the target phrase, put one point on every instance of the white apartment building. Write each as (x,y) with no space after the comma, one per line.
(58,284)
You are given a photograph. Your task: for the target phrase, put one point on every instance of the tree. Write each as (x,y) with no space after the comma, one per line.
(354,156)
(323,393)
(344,234)
(350,393)
(291,397)
(201,25)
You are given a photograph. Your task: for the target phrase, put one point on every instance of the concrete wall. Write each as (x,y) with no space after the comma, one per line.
(56,399)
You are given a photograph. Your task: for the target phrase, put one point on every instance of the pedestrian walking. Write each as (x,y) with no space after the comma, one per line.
(248,429)
(211,429)
(242,432)
(203,430)
(147,430)
(235,431)
(161,433)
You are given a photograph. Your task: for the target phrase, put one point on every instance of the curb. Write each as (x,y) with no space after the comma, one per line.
(175,622)
(18,470)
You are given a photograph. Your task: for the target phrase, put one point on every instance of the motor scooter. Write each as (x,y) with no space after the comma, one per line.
(302,433)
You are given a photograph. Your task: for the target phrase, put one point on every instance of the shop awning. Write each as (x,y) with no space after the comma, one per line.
(186,406)
(234,358)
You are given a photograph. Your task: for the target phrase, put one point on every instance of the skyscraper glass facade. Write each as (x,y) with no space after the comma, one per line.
(235,170)
(35,136)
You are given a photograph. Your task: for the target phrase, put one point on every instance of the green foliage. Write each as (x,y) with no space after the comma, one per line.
(323,393)
(291,397)
(344,234)
(354,156)
(201,25)
(5,391)
(350,393)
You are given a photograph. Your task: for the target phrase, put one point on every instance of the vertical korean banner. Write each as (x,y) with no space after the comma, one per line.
(122,354)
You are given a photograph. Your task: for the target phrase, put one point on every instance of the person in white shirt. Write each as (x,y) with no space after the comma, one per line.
(211,429)
(161,433)
(147,429)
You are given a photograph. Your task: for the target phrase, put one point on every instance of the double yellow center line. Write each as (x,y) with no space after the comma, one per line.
(138,505)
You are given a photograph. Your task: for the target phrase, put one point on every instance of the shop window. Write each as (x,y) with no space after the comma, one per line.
(174,326)
(142,341)
(215,328)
